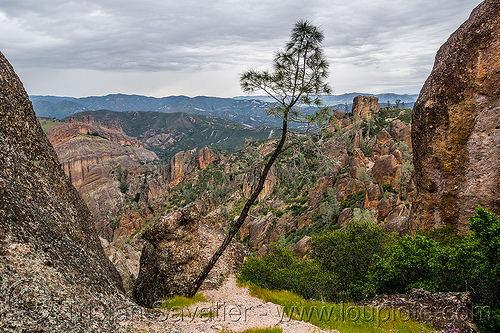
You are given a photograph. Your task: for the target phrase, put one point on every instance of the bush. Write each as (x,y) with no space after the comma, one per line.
(422,262)
(123,187)
(485,228)
(348,254)
(280,269)
(346,264)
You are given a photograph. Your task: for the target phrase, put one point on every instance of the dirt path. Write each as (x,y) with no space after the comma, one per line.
(237,311)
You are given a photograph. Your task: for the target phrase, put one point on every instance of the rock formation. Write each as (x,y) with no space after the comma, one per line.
(456,126)
(186,161)
(170,259)
(96,156)
(83,142)
(386,169)
(177,247)
(363,107)
(458,317)
(52,265)
(205,157)
(87,125)
(251,180)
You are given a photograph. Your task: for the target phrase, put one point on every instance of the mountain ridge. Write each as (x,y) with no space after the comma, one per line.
(249,110)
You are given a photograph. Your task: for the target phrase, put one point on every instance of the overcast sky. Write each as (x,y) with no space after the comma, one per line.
(198,47)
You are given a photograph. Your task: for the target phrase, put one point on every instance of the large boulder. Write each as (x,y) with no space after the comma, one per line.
(386,170)
(456,126)
(52,266)
(170,259)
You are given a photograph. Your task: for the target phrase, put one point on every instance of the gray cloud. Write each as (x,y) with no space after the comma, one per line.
(371,45)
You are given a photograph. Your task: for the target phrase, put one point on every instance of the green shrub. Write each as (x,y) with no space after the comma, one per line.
(389,188)
(347,254)
(280,269)
(422,262)
(298,210)
(485,228)
(123,187)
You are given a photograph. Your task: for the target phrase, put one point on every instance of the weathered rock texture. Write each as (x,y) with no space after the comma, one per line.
(83,143)
(97,157)
(184,162)
(170,259)
(52,265)
(363,107)
(177,247)
(448,312)
(456,126)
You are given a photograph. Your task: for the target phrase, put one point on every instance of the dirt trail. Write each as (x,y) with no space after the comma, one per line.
(238,311)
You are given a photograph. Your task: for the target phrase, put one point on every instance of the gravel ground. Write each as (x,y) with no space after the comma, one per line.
(238,311)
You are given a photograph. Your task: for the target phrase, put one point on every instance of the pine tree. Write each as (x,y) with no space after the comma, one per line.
(296,81)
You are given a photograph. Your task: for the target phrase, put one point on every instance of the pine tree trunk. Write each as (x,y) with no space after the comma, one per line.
(241,219)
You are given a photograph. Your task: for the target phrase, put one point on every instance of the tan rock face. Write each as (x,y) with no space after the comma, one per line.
(386,169)
(251,179)
(345,216)
(79,154)
(205,157)
(92,161)
(395,127)
(49,247)
(383,144)
(180,165)
(401,132)
(456,126)
(363,107)
(186,161)
(317,193)
(336,122)
(373,194)
(303,246)
(87,125)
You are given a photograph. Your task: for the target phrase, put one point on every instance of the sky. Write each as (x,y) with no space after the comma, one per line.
(199,47)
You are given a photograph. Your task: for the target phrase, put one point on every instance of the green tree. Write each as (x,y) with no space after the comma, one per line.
(296,80)
(398,101)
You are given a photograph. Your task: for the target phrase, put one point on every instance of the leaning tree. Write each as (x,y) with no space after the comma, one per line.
(295,82)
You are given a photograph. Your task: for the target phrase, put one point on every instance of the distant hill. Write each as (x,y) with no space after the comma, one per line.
(169,133)
(249,110)
(347,98)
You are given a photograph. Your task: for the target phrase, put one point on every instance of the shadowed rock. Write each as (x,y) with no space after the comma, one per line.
(170,259)
(52,265)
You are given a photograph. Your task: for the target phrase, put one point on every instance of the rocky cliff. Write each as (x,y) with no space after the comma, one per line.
(52,265)
(456,126)
(83,142)
(184,162)
(96,156)
(86,124)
